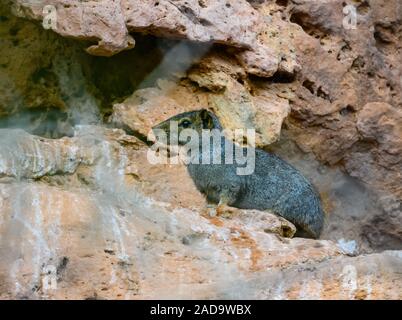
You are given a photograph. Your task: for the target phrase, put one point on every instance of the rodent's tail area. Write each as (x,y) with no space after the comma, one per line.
(306,213)
(313,217)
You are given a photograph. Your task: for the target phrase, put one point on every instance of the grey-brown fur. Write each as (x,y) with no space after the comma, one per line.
(275,185)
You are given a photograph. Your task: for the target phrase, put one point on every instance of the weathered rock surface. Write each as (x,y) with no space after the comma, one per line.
(102,21)
(234,23)
(43,88)
(87,216)
(335,103)
(102,237)
(22,57)
(235,106)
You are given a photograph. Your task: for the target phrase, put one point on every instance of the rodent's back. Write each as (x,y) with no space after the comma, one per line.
(274,185)
(278,186)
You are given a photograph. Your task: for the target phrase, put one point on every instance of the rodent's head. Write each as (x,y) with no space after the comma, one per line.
(196,120)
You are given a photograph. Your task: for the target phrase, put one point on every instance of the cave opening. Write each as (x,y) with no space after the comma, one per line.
(68,87)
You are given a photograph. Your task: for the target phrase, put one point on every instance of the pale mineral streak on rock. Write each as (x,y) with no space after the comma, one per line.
(25,156)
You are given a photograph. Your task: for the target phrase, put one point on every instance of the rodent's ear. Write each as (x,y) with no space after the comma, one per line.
(206,119)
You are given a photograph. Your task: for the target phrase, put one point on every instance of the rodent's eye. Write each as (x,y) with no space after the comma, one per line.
(185,123)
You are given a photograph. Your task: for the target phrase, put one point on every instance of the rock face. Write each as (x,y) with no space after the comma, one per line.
(235,106)
(43,88)
(90,233)
(333,112)
(102,21)
(235,23)
(85,215)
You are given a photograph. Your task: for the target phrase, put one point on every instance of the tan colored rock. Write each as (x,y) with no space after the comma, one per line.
(215,71)
(230,99)
(229,22)
(103,223)
(101,21)
(274,49)
(272,110)
(77,233)
(93,233)
(147,107)
(92,215)
(383,123)
(332,98)
(233,23)
(238,109)
(80,244)
(262,62)
(380,125)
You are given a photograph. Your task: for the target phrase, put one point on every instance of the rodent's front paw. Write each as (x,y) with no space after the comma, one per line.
(209,211)
(212,212)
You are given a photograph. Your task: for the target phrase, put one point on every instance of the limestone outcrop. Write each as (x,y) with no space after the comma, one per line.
(85,215)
